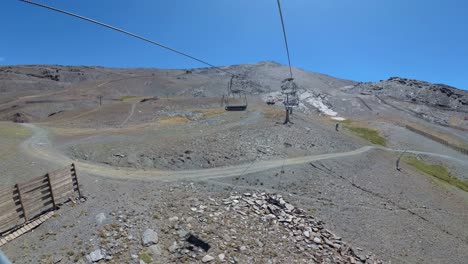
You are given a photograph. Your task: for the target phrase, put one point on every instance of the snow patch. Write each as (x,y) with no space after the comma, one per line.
(311,99)
(318,103)
(338,118)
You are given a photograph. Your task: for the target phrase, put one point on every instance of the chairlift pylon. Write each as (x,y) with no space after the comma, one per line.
(289,88)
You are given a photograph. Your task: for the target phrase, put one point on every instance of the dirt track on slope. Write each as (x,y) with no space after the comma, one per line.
(39,145)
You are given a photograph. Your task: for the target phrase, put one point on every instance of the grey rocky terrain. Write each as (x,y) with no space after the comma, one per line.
(159,159)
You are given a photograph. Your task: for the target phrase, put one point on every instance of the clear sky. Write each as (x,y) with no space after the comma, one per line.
(362,40)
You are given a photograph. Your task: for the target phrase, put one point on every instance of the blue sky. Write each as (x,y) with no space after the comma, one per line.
(362,40)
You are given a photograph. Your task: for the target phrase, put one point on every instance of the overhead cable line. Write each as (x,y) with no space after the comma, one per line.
(285,38)
(125,32)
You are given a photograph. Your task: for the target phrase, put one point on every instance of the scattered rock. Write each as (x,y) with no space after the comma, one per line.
(221,256)
(100,218)
(173,248)
(207,258)
(155,250)
(317,240)
(95,256)
(150,237)
(182,233)
(173,219)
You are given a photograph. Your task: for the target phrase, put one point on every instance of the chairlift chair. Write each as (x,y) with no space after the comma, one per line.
(270,100)
(236,99)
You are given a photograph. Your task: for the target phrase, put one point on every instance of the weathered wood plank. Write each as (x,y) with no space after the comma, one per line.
(9,198)
(39,209)
(32,198)
(8,201)
(65,194)
(35,194)
(64,188)
(60,173)
(5,218)
(13,221)
(62,180)
(32,182)
(14,205)
(11,192)
(40,199)
(64,184)
(32,188)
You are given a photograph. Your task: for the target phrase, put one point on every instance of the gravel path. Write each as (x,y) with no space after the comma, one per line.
(40,146)
(130,114)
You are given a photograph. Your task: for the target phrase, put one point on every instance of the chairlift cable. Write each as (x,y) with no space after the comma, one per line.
(125,32)
(285,38)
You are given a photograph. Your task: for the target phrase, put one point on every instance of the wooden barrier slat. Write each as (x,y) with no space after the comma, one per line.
(8,216)
(39,199)
(13,205)
(33,181)
(6,191)
(58,181)
(64,187)
(40,207)
(65,194)
(10,201)
(19,220)
(37,210)
(33,194)
(60,173)
(31,199)
(9,195)
(33,187)
(437,139)
(9,198)
(67,183)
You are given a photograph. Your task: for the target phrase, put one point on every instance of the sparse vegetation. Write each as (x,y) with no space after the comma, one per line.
(102,234)
(369,134)
(438,171)
(9,129)
(172,120)
(127,97)
(273,113)
(145,257)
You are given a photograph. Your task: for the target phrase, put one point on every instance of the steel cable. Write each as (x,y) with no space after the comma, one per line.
(125,32)
(285,38)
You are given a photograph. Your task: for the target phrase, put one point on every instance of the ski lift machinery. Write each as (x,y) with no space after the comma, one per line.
(289,88)
(236,99)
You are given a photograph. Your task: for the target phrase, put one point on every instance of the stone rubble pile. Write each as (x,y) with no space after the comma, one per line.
(243,228)
(307,232)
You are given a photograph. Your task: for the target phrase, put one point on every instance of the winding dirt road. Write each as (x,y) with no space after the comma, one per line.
(39,146)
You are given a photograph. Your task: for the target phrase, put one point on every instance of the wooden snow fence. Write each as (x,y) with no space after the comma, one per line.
(438,139)
(28,204)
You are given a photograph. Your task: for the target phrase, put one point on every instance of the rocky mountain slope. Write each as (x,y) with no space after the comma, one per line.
(66,88)
(419,92)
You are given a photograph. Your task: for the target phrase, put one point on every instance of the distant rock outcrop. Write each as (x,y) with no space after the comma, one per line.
(436,95)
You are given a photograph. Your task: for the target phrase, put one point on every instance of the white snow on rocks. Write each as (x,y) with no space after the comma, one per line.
(318,103)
